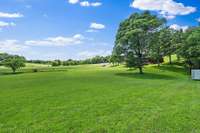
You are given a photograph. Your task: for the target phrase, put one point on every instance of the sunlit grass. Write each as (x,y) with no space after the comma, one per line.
(92,98)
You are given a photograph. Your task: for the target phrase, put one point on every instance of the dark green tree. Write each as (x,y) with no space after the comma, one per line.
(3,56)
(190,50)
(178,41)
(157,47)
(134,37)
(166,40)
(14,62)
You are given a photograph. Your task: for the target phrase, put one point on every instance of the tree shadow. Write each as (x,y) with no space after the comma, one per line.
(10,73)
(144,76)
(173,68)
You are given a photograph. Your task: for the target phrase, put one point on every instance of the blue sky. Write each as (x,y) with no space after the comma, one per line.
(78,29)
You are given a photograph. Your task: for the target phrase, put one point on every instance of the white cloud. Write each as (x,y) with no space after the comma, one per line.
(87,4)
(11,46)
(168,8)
(10,15)
(73,1)
(95,4)
(198,19)
(89,54)
(179,27)
(97,26)
(91,30)
(57,41)
(6,24)
(84,3)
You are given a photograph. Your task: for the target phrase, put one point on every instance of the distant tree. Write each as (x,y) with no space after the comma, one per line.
(39,61)
(178,41)
(156,48)
(114,60)
(57,63)
(190,50)
(134,37)
(14,62)
(166,40)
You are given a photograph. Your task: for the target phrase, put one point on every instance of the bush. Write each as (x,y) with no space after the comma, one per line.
(35,70)
(56,63)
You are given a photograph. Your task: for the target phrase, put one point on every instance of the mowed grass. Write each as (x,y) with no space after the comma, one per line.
(92,98)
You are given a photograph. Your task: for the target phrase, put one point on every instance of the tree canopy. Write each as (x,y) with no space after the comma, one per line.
(190,49)
(14,62)
(134,37)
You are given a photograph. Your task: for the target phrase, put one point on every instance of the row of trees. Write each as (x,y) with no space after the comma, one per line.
(15,62)
(145,36)
(94,60)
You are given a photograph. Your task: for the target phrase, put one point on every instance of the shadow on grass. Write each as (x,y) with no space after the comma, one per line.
(173,68)
(152,76)
(10,73)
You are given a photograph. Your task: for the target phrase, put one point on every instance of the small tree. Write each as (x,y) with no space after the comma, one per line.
(14,62)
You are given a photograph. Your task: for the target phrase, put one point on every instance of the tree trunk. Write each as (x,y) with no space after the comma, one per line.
(141,71)
(14,70)
(190,70)
(158,62)
(178,58)
(199,65)
(170,59)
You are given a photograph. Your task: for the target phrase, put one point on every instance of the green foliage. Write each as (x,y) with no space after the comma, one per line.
(56,63)
(70,62)
(94,60)
(163,44)
(4,56)
(134,37)
(14,62)
(190,50)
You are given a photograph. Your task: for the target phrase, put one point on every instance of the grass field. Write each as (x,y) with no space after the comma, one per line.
(91,98)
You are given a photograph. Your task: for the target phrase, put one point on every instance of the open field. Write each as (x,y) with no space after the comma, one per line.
(91,98)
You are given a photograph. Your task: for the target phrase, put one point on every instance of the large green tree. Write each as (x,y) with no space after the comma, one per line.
(134,37)
(14,62)
(190,50)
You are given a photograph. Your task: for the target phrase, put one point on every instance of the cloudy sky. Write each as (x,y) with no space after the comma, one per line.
(78,29)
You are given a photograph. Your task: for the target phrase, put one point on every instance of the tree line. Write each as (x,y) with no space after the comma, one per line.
(144,37)
(15,62)
(71,62)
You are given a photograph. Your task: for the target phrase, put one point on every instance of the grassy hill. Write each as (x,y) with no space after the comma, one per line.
(92,98)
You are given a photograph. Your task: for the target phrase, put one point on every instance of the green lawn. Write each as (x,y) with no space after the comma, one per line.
(91,98)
